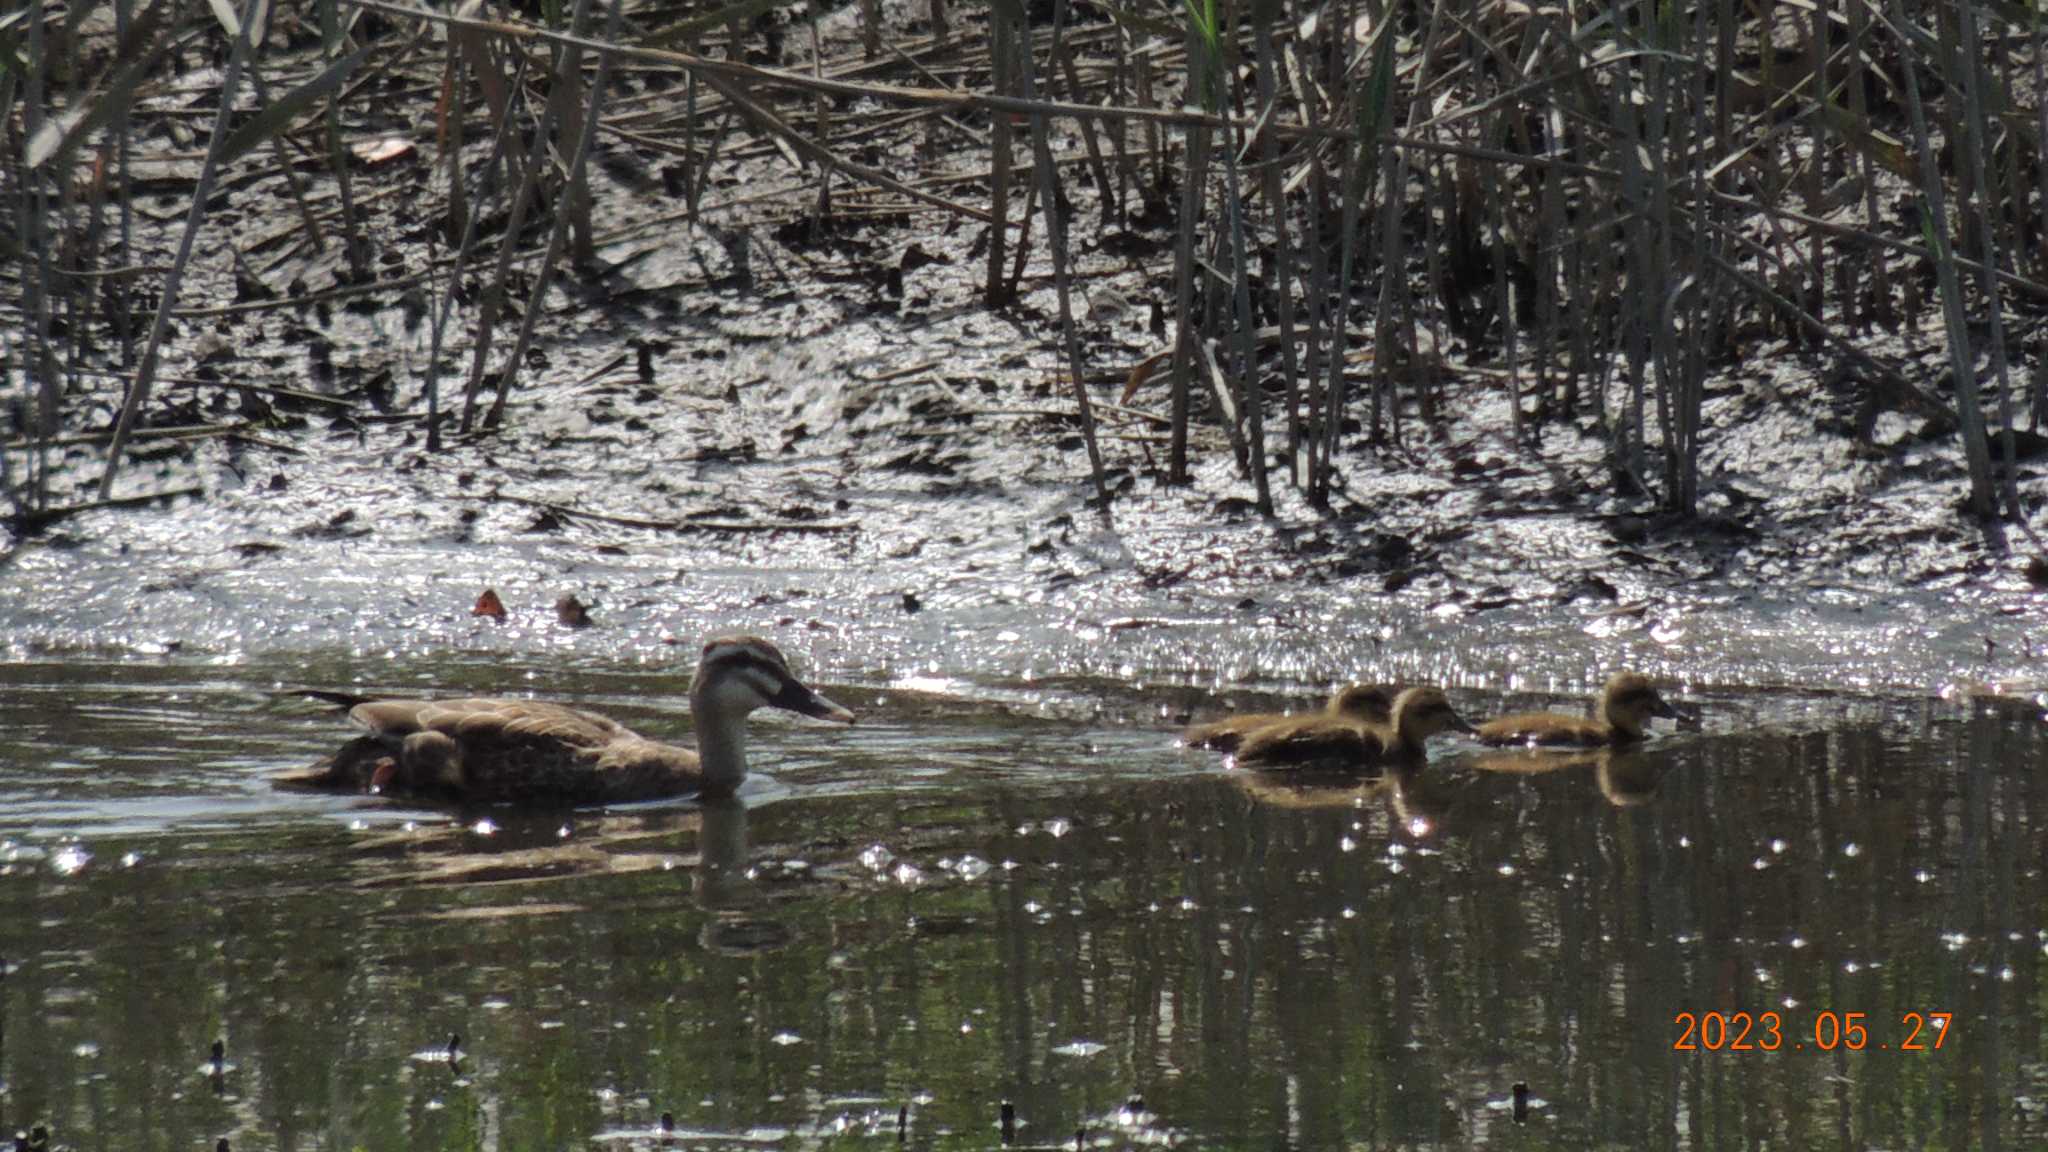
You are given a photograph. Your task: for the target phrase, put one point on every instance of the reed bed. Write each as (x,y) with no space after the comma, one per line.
(1339,211)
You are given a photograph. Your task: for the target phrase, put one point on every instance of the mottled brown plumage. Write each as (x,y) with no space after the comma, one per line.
(1626,704)
(1364,703)
(1339,742)
(486,750)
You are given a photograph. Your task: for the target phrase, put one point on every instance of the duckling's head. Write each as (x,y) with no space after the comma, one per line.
(1420,713)
(1630,699)
(737,674)
(1372,703)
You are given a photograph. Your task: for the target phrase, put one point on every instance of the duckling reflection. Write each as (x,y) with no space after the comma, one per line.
(1311,790)
(1625,706)
(1421,802)
(1338,743)
(1362,703)
(1625,776)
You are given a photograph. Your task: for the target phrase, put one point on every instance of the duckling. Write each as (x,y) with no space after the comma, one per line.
(1338,742)
(1625,704)
(485,750)
(1361,703)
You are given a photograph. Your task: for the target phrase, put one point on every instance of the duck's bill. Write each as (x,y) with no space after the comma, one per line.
(798,698)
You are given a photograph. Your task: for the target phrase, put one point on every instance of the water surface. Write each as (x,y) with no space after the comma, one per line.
(1034,898)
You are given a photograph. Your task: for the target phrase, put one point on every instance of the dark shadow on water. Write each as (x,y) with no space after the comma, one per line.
(1191,955)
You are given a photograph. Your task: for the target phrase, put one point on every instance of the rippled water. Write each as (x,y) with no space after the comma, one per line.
(998,895)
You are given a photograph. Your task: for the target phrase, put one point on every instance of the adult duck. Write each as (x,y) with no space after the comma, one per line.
(1342,743)
(1625,706)
(1361,703)
(488,750)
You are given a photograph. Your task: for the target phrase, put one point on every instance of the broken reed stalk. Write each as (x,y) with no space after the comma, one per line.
(1185,270)
(293,183)
(508,245)
(2038,37)
(999,69)
(1283,255)
(195,216)
(1056,226)
(337,155)
(1967,61)
(536,304)
(32,218)
(466,247)
(822,110)
(1251,397)
(1934,225)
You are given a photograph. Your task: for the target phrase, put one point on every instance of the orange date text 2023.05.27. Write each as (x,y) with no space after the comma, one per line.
(1828,1032)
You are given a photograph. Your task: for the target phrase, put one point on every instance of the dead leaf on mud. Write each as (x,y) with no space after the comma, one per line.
(571,612)
(488,604)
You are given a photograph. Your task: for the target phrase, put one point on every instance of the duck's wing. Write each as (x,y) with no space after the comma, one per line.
(1544,730)
(513,751)
(636,769)
(489,720)
(1226,734)
(1311,742)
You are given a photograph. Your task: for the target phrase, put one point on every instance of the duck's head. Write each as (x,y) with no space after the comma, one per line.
(1372,703)
(737,674)
(1420,713)
(1630,699)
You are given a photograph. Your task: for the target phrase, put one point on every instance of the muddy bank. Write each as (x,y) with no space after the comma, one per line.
(937,523)
(816,429)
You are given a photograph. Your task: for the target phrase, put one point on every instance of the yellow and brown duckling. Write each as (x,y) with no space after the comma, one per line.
(1342,743)
(1626,704)
(496,751)
(1358,703)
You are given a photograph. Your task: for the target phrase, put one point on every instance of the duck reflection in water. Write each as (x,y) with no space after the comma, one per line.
(725,885)
(1417,802)
(1626,777)
(524,849)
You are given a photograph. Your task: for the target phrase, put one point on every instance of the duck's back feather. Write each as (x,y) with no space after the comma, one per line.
(1312,742)
(490,719)
(1546,730)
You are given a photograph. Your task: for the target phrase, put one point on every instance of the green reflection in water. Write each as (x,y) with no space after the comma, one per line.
(1264,967)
